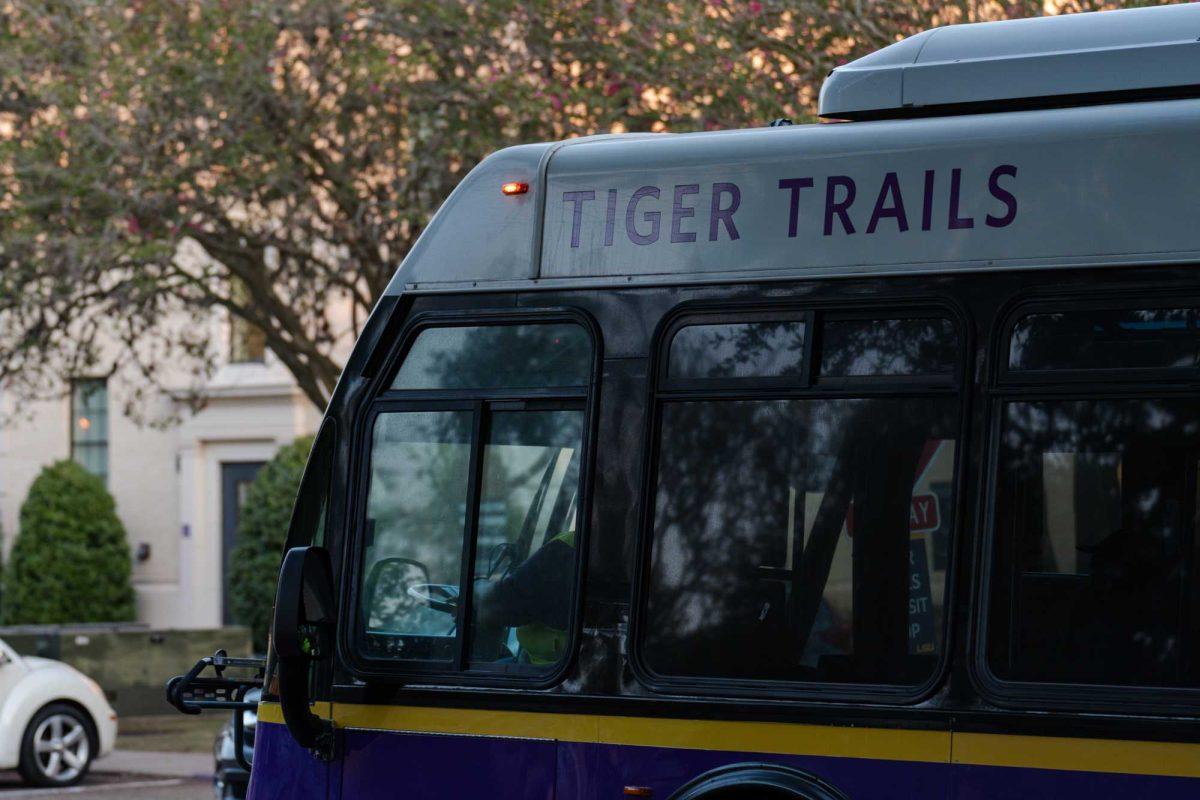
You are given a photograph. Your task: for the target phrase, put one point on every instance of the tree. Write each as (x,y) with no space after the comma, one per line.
(262,532)
(70,561)
(278,159)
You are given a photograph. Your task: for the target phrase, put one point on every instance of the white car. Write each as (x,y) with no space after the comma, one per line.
(54,720)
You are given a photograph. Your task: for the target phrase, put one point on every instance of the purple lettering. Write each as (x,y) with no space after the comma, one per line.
(610,217)
(1003,195)
(957,222)
(839,207)
(890,188)
(653,217)
(578,198)
(680,212)
(795,184)
(724,215)
(927,205)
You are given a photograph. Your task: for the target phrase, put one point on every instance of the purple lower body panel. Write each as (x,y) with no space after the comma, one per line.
(414,766)
(377,765)
(284,769)
(602,771)
(1008,783)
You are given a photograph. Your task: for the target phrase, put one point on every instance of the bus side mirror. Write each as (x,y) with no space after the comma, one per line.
(386,596)
(305,619)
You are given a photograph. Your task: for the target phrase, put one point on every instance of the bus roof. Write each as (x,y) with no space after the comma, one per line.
(1091,185)
(1023,62)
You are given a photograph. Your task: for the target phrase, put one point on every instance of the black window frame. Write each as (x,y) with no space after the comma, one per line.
(1003,385)
(380,399)
(717,318)
(957,384)
(1005,376)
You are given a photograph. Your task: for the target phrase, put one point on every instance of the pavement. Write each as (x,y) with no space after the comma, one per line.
(145,762)
(138,774)
(158,757)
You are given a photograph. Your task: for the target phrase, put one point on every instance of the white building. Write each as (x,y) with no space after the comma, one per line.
(177,488)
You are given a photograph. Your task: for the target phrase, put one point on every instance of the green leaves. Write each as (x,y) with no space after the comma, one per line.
(266,512)
(70,561)
(299,147)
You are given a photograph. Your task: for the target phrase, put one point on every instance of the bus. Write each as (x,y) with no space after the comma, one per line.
(827,461)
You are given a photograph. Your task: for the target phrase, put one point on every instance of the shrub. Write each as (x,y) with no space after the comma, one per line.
(70,561)
(262,531)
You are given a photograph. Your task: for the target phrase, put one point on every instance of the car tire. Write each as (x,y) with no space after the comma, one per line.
(58,746)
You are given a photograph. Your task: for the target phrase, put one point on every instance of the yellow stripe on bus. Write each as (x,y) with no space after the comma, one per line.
(778,738)
(1080,755)
(746,737)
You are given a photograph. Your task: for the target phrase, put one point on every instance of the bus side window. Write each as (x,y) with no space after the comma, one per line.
(801,535)
(475,470)
(309,522)
(1094,534)
(309,517)
(417,511)
(880,347)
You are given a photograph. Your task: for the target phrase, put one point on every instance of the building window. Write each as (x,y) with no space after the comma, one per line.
(247,342)
(89,425)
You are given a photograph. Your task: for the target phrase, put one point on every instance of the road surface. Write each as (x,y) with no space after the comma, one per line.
(112,786)
(129,774)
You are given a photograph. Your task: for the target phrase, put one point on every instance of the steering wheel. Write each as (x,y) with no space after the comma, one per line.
(438,596)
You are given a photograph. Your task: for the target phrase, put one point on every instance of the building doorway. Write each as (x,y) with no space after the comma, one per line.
(236,478)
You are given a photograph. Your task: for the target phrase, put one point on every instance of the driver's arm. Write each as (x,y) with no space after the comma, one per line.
(536,591)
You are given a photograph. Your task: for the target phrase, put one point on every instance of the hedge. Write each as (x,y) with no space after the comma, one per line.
(70,561)
(262,531)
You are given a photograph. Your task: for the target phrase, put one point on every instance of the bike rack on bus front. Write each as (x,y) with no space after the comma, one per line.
(193,694)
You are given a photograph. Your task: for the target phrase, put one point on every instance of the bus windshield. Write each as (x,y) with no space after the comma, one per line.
(481,493)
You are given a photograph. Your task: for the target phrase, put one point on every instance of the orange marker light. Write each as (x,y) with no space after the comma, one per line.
(514,187)
(638,791)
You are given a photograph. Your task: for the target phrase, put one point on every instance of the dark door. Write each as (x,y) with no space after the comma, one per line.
(235,480)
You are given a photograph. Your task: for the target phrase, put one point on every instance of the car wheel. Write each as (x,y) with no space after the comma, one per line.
(57,749)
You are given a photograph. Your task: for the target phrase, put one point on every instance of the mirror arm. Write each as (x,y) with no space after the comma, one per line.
(304,620)
(308,729)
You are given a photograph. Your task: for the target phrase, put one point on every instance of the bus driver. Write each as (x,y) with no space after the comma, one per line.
(534,598)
